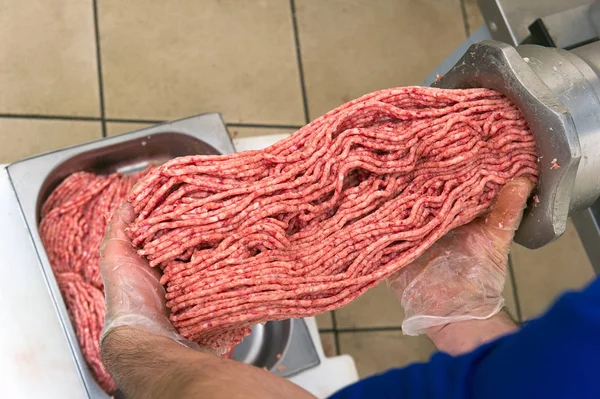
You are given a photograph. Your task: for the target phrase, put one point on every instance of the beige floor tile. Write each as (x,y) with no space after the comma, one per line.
(242,132)
(543,274)
(247,138)
(328,342)
(375,352)
(352,47)
(324,321)
(22,138)
(474,18)
(114,128)
(165,60)
(48,58)
(377,307)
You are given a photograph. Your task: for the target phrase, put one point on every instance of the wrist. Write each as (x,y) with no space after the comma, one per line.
(463,336)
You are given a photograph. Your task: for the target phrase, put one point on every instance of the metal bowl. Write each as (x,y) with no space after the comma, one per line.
(284,347)
(265,346)
(33,180)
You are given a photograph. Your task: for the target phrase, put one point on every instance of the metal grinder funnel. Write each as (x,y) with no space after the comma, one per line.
(558,93)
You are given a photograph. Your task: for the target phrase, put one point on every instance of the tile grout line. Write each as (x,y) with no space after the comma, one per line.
(99,66)
(336,336)
(463,11)
(126,120)
(51,117)
(331,320)
(514,289)
(264,125)
(299,60)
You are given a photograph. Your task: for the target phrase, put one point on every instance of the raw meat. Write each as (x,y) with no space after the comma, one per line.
(312,222)
(74,219)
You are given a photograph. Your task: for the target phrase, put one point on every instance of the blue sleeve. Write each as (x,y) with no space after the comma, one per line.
(554,356)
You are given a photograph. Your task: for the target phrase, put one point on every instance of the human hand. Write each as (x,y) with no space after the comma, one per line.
(462,276)
(146,365)
(133,294)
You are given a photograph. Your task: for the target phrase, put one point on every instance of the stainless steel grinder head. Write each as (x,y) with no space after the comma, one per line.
(558,94)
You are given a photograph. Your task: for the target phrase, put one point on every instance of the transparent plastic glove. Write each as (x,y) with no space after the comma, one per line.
(133,294)
(462,276)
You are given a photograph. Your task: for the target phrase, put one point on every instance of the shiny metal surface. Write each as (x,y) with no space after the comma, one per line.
(587,223)
(499,66)
(591,55)
(482,33)
(558,93)
(577,87)
(284,347)
(509,20)
(560,26)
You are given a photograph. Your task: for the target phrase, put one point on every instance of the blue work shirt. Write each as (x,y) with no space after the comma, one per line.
(554,356)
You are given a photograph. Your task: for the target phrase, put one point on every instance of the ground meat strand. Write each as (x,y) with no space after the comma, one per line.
(310,223)
(74,219)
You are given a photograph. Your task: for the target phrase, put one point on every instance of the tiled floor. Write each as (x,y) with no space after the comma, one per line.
(77,70)
(353,47)
(541,275)
(376,351)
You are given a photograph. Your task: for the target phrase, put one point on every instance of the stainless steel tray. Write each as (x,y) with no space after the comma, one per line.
(284,347)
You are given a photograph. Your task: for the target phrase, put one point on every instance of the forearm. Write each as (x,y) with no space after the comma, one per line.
(145,365)
(464,336)
(149,366)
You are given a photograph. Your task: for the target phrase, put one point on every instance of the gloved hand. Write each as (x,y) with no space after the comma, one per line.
(462,276)
(133,294)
